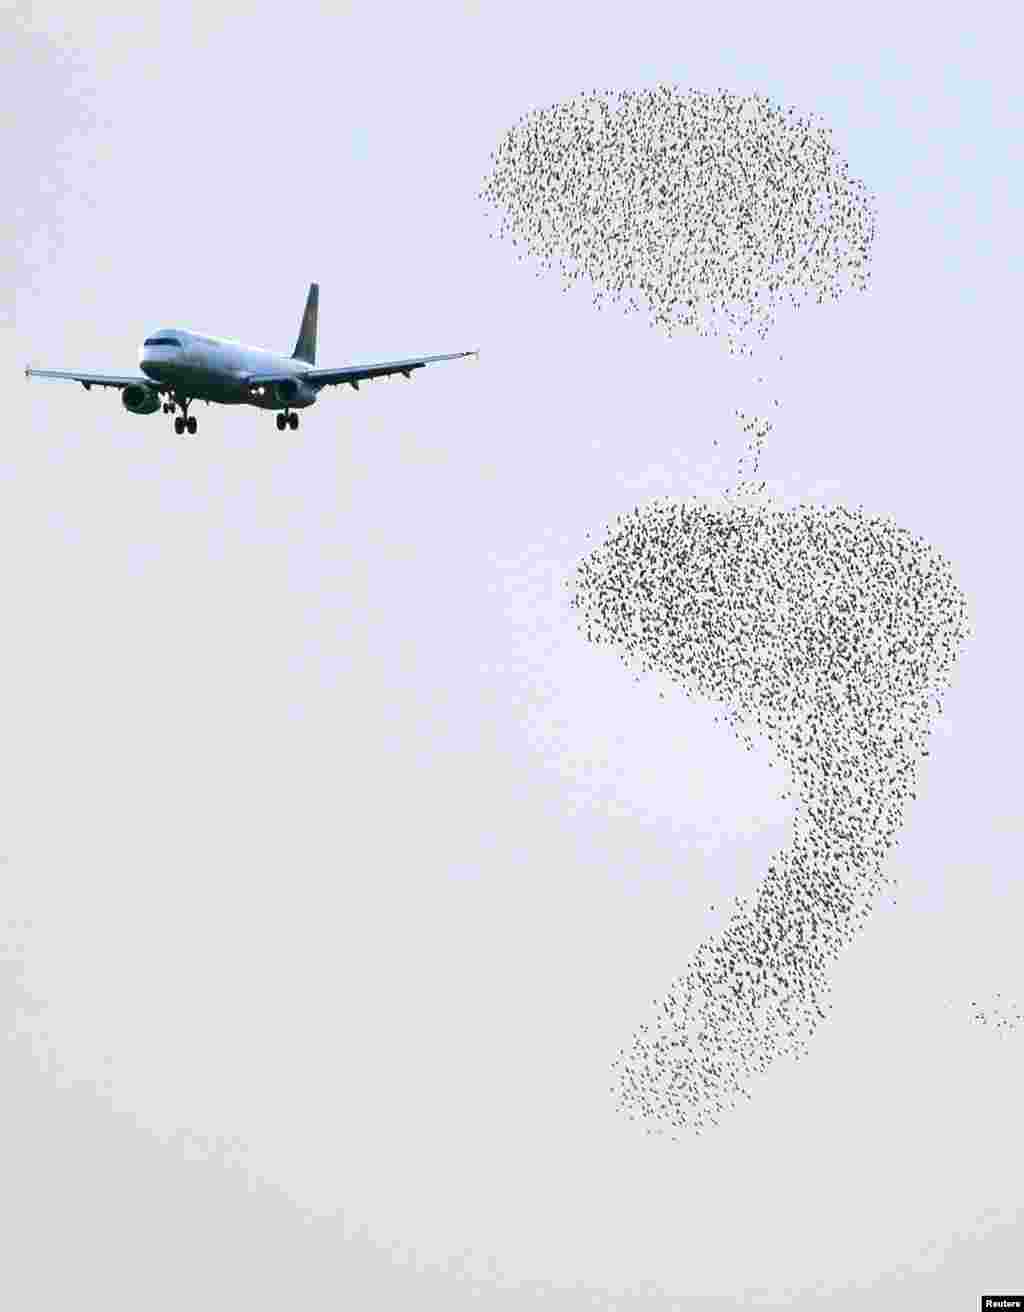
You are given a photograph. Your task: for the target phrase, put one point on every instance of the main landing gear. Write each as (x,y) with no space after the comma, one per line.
(290,418)
(184,420)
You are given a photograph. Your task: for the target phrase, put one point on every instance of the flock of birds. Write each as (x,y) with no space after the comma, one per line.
(830,633)
(712,208)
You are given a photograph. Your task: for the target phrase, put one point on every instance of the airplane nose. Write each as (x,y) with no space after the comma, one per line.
(151,358)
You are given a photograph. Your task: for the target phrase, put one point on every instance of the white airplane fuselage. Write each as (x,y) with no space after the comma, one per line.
(215,369)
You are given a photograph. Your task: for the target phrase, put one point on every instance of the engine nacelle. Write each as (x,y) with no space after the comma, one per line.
(292,392)
(138,399)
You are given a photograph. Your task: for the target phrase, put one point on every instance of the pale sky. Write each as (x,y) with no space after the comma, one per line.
(328,843)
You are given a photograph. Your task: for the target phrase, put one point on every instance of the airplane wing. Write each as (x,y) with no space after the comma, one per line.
(90,380)
(353,374)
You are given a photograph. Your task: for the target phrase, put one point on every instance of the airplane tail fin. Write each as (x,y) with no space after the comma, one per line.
(305,347)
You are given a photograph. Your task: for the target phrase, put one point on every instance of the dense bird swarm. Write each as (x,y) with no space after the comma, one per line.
(828,633)
(832,635)
(711,208)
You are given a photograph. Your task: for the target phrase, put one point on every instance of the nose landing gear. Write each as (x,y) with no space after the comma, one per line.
(289,418)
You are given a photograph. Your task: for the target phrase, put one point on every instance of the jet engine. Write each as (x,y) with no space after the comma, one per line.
(138,399)
(292,392)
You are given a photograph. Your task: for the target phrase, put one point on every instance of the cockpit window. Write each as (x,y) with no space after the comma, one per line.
(162,341)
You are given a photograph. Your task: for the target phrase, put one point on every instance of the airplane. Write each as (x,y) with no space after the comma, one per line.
(184,366)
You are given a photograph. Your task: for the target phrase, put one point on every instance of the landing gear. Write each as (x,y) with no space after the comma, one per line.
(289,419)
(184,421)
(293,421)
(281,421)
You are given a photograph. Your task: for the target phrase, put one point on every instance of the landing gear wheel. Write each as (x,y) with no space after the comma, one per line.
(281,421)
(179,425)
(293,421)
(192,424)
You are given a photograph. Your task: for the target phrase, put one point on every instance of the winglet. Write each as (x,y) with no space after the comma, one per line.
(305,347)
